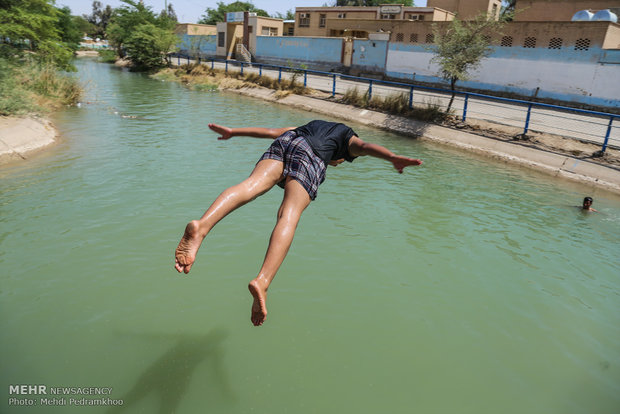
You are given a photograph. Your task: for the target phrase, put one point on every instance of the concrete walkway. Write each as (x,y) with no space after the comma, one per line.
(551,163)
(20,136)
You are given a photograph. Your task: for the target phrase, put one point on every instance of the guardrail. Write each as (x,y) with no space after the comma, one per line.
(591,126)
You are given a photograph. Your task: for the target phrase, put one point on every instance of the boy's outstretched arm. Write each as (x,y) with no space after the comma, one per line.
(358,148)
(227,133)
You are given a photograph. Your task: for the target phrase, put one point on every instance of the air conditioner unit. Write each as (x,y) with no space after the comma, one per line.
(342,15)
(304,15)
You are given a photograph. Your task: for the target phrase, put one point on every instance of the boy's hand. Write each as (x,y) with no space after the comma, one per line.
(400,162)
(225,132)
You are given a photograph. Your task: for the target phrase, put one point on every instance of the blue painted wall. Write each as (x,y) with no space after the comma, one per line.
(206,44)
(369,55)
(568,75)
(313,51)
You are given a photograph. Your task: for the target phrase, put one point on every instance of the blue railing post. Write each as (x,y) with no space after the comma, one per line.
(411,98)
(188,59)
(178,60)
(611,120)
(199,60)
(465,107)
(279,74)
(212,63)
(369,90)
(527,119)
(260,71)
(226,67)
(305,78)
(241,73)
(334,85)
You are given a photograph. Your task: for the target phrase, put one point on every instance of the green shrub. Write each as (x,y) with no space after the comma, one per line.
(29,86)
(107,56)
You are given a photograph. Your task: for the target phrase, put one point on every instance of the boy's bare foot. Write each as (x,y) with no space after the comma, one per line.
(225,132)
(185,253)
(259,308)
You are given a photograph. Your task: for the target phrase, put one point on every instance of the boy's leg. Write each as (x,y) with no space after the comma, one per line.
(296,199)
(265,175)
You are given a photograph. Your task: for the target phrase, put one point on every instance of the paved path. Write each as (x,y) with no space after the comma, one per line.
(584,127)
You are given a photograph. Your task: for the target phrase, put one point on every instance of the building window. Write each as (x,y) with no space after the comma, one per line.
(269,31)
(582,44)
(506,41)
(304,19)
(221,39)
(322,18)
(555,43)
(388,16)
(342,15)
(430,38)
(413,38)
(291,31)
(420,17)
(530,42)
(400,37)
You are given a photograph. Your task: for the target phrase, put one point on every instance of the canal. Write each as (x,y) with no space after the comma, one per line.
(461,286)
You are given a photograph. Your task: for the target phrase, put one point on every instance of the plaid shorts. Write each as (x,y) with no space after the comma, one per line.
(300,162)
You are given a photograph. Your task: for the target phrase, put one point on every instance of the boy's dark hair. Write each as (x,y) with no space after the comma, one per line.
(588,199)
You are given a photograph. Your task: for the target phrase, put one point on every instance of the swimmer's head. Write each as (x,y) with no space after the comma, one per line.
(587,203)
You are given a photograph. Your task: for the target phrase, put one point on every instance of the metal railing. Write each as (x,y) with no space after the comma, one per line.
(596,127)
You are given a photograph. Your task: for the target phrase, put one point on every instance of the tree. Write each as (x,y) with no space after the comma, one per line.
(35,24)
(125,20)
(290,15)
(167,18)
(149,45)
(508,9)
(83,25)
(99,18)
(68,29)
(462,45)
(212,16)
(29,21)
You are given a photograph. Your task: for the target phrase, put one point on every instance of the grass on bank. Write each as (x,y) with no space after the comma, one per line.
(107,56)
(397,104)
(27,86)
(201,77)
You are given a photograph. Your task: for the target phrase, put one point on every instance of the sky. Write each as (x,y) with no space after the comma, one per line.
(190,11)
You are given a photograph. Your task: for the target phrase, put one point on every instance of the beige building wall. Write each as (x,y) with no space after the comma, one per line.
(312,21)
(612,40)
(558,10)
(263,26)
(548,35)
(195,29)
(468,9)
(231,34)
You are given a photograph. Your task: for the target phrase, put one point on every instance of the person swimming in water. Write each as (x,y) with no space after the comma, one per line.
(296,161)
(587,204)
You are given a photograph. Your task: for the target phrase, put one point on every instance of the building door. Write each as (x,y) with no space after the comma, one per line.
(347,52)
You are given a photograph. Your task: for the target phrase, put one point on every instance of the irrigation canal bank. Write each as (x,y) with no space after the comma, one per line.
(20,137)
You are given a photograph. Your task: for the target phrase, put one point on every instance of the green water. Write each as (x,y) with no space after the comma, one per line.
(461,286)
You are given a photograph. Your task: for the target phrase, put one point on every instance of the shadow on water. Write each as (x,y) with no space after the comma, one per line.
(169,377)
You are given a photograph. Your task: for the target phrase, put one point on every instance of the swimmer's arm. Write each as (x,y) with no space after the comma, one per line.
(358,148)
(227,133)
